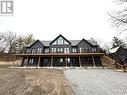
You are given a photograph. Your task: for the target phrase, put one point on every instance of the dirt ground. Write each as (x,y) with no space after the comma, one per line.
(33,82)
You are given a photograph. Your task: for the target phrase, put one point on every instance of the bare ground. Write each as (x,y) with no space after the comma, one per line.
(33,82)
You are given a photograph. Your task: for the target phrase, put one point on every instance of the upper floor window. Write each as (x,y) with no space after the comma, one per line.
(28,51)
(94,49)
(61,49)
(66,50)
(74,50)
(80,50)
(53,49)
(39,50)
(34,50)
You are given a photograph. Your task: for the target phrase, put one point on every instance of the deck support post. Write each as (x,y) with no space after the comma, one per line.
(66,61)
(93,61)
(22,61)
(38,61)
(79,61)
(14,60)
(27,61)
(51,61)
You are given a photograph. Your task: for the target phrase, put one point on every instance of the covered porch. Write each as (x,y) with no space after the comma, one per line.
(60,60)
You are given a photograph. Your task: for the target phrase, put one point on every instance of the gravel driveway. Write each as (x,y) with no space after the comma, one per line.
(97,81)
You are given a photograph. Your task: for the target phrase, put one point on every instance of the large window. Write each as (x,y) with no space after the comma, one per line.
(60,41)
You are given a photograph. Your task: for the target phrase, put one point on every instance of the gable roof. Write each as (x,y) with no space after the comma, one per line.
(58,37)
(89,42)
(72,42)
(31,43)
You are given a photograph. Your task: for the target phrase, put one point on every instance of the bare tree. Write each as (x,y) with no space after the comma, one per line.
(2,43)
(119,17)
(10,39)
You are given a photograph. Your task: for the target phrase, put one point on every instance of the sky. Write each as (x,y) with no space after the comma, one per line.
(74,19)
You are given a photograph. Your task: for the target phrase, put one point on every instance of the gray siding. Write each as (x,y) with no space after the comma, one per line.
(35,46)
(85,45)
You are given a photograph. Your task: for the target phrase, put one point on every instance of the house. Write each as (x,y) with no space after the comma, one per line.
(62,52)
(119,54)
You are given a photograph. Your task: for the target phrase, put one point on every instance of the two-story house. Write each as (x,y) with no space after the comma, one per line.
(62,52)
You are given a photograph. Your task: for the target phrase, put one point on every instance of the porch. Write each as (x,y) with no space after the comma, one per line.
(60,60)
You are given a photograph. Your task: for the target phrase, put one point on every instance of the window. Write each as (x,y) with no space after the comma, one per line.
(80,50)
(61,49)
(94,49)
(31,61)
(33,50)
(60,40)
(68,60)
(39,50)
(67,50)
(61,59)
(53,49)
(74,50)
(28,50)
(58,49)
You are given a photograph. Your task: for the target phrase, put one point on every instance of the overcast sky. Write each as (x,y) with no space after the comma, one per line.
(74,19)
